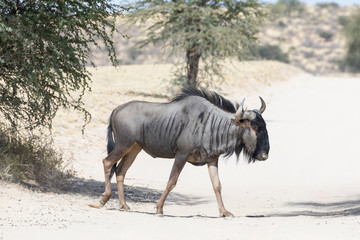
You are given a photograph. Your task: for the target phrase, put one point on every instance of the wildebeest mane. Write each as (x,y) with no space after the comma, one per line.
(211,96)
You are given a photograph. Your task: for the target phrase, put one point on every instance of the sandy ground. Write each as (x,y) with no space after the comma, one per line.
(307,189)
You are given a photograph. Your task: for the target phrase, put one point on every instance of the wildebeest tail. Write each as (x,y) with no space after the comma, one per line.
(110,143)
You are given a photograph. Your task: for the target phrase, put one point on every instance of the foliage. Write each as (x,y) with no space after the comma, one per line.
(343,20)
(30,158)
(328,4)
(44,46)
(272,52)
(287,7)
(326,35)
(134,53)
(352,34)
(199,30)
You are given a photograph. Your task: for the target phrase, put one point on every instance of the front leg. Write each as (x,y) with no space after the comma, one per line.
(214,176)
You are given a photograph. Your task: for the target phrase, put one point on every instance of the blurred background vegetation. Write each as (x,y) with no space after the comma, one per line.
(194,32)
(351,31)
(312,37)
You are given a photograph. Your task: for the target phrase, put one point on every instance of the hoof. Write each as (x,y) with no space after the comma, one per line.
(125,208)
(100,204)
(95,205)
(159,215)
(227,215)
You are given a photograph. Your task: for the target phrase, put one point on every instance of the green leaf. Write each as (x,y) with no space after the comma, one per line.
(44,48)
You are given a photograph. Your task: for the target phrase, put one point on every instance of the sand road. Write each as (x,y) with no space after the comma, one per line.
(307,189)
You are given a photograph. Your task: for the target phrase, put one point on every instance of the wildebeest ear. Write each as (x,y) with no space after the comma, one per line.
(235,121)
(238,122)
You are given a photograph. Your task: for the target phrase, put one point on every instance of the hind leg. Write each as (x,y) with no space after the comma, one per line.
(121,170)
(108,163)
(178,165)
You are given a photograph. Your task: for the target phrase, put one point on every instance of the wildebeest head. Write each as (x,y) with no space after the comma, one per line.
(254,140)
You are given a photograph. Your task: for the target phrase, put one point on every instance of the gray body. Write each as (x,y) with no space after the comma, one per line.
(193,126)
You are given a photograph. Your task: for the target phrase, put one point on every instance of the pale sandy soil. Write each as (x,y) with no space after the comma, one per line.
(307,189)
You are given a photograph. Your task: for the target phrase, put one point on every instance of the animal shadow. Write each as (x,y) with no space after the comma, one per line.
(318,209)
(93,188)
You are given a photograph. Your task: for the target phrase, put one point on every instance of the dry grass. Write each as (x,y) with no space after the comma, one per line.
(31,160)
(154,80)
(248,78)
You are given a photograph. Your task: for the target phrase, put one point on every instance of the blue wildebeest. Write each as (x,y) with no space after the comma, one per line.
(196,127)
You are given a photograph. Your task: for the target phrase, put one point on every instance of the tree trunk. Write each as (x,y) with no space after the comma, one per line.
(192,67)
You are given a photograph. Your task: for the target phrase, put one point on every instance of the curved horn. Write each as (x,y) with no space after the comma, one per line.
(263,105)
